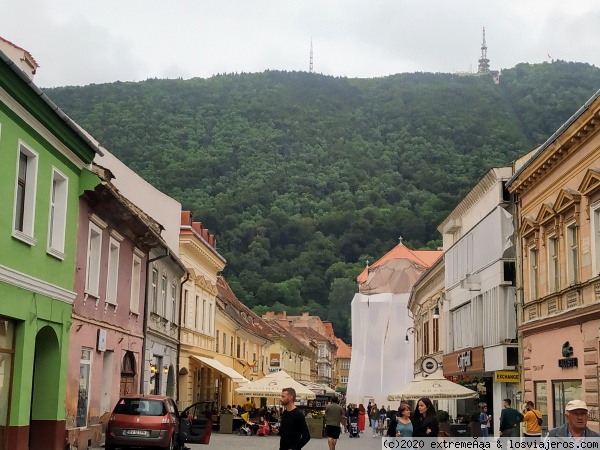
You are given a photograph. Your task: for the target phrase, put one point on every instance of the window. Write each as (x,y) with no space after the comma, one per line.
(217,342)
(344,379)
(6,362)
(533,273)
(596,240)
(244,352)
(154,290)
(238,348)
(210,319)
(541,401)
(462,328)
(426,338)
(197,312)
(163,295)
(552,264)
(25,188)
(224,343)
(84,387)
(113,272)
(174,302)
(93,261)
(136,274)
(58,214)
(231,348)
(436,335)
(572,254)
(184,307)
(345,365)
(204,315)
(563,392)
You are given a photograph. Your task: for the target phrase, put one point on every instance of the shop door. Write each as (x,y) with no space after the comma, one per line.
(127,385)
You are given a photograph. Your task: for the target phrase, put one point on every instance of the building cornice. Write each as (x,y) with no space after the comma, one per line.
(572,135)
(189,242)
(32,284)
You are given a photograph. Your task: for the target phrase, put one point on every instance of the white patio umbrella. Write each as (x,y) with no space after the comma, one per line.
(435,387)
(272,385)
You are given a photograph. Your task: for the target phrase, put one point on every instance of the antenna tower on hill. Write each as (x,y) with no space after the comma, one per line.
(310,67)
(484,62)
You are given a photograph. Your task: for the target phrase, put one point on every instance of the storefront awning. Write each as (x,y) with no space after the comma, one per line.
(228,371)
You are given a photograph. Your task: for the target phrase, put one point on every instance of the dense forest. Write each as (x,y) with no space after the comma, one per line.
(305,177)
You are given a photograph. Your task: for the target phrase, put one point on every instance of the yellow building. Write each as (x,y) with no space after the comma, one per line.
(343,356)
(242,341)
(200,377)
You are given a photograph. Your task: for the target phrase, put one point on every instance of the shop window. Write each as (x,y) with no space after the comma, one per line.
(563,392)
(84,387)
(541,400)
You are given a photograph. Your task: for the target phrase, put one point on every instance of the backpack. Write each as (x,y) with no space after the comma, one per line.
(539,419)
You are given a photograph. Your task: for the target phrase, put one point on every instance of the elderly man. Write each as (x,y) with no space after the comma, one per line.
(576,413)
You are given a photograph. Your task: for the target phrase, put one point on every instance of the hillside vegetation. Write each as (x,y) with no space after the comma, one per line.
(305,177)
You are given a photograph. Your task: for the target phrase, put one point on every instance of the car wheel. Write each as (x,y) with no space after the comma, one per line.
(172,445)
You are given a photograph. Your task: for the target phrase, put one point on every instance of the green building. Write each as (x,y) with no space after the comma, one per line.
(43,170)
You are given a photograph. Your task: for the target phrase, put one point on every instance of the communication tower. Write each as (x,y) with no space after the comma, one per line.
(484,62)
(310,67)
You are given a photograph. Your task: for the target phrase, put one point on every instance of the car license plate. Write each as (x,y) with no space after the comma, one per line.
(136,432)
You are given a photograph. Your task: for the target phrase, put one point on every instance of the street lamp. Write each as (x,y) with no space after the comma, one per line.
(410,330)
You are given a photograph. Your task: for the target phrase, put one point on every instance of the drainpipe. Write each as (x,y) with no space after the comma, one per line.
(146,307)
(519,291)
(187,277)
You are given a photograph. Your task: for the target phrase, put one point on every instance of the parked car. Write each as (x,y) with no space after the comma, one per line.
(154,421)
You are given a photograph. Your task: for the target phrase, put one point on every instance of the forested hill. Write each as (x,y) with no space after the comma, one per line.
(303,177)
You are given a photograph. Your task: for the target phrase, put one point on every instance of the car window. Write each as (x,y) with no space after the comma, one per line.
(172,407)
(142,407)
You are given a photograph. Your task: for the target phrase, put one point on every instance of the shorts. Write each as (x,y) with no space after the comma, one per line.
(332,432)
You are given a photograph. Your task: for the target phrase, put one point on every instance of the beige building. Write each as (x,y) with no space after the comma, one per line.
(199,376)
(312,329)
(558,194)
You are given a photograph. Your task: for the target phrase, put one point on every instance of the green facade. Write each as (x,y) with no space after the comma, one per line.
(36,287)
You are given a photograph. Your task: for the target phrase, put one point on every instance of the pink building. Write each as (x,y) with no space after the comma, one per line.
(107,333)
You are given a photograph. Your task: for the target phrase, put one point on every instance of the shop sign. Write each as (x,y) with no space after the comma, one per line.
(274,359)
(568,361)
(464,360)
(507,376)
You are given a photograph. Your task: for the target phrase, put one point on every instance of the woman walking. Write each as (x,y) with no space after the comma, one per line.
(361,418)
(404,426)
(425,419)
(374,417)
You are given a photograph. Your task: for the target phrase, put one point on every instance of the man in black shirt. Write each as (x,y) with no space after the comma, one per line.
(293,432)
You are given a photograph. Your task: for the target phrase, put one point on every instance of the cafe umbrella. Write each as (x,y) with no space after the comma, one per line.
(434,387)
(272,385)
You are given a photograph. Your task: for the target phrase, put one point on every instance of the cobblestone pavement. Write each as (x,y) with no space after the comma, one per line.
(232,441)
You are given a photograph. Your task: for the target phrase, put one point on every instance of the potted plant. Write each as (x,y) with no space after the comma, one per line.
(474,426)
(444,420)
(315,423)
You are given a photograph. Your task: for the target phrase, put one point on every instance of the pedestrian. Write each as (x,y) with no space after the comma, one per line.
(533,422)
(391,431)
(334,418)
(248,406)
(510,418)
(361,418)
(293,431)
(425,419)
(484,421)
(382,414)
(374,418)
(576,415)
(404,426)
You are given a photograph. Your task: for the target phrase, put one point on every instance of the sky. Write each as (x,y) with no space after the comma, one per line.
(79,42)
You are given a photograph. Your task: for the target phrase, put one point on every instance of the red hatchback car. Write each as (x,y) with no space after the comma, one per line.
(154,421)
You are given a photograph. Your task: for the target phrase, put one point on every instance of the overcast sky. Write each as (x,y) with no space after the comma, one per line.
(78,42)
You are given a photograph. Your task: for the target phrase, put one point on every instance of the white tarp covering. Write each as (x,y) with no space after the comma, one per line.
(381,362)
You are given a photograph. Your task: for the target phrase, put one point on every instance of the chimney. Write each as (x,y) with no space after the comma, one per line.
(197,227)
(305,314)
(186,218)
(211,240)
(205,234)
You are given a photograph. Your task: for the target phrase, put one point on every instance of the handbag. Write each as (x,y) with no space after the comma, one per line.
(540,420)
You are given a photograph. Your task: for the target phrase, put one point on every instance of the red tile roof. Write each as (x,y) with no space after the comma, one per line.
(20,48)
(425,258)
(344,351)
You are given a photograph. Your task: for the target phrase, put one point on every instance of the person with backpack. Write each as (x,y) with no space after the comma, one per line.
(533,422)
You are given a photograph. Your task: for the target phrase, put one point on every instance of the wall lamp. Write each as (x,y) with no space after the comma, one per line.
(436,310)
(166,369)
(153,368)
(410,330)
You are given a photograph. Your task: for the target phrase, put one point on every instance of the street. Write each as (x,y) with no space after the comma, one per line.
(231,441)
